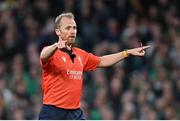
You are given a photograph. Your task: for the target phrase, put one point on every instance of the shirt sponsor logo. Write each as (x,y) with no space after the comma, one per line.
(73,74)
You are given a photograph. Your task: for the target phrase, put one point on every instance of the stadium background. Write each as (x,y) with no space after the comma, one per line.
(136,88)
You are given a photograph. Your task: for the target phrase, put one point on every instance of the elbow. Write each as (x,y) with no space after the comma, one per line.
(43,58)
(103,63)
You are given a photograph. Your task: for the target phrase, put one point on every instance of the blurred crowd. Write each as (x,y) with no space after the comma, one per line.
(144,88)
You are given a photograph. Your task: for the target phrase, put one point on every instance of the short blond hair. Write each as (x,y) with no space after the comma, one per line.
(59,17)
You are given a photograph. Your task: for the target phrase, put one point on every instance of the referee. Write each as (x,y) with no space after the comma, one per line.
(62,71)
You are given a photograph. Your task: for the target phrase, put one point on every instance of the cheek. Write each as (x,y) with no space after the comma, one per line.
(63,34)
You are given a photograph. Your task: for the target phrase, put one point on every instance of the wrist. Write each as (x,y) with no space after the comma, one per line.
(125,53)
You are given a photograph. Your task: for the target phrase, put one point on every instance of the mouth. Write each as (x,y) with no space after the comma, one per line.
(72,37)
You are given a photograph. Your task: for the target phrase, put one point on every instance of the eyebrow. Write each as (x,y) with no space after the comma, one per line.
(71,26)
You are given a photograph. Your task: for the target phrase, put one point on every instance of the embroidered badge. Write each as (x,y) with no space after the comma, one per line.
(64,59)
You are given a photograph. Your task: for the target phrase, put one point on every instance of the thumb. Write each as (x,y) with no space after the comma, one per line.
(141,53)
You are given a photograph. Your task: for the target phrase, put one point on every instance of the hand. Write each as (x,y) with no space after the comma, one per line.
(140,51)
(62,44)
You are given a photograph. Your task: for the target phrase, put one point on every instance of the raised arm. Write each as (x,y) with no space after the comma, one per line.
(47,52)
(112,59)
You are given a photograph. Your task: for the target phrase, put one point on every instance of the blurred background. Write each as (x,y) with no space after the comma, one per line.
(136,88)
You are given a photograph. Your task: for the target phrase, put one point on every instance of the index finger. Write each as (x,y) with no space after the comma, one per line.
(145,47)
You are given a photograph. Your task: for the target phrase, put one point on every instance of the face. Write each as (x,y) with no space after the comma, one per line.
(67,30)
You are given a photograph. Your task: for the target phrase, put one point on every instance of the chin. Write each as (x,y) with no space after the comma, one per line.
(71,41)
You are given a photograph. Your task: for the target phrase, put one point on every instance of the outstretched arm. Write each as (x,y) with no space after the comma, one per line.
(112,59)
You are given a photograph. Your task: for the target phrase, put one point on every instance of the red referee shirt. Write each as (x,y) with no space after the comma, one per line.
(62,79)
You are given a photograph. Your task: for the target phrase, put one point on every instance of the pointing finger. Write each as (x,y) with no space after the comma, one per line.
(145,47)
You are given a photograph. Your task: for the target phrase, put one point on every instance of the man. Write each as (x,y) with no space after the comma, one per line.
(62,71)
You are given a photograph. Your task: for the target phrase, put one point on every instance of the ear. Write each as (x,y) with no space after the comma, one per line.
(57,32)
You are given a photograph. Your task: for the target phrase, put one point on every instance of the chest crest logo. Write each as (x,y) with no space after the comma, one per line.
(64,59)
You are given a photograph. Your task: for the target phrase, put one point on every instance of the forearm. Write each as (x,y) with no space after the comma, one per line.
(112,59)
(47,52)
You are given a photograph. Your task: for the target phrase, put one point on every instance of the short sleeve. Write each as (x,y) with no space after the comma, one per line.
(47,64)
(92,62)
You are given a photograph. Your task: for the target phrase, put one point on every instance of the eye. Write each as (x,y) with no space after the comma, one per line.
(68,28)
(75,27)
